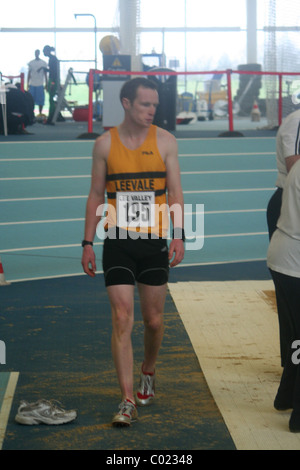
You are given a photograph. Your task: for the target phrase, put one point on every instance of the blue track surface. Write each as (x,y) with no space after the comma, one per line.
(44,186)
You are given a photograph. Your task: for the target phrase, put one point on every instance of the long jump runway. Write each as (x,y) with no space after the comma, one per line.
(56,323)
(58,338)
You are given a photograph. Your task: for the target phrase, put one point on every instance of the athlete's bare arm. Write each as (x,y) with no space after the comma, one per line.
(167,145)
(95,199)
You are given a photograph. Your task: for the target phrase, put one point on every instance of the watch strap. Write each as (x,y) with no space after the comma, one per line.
(178,234)
(86,242)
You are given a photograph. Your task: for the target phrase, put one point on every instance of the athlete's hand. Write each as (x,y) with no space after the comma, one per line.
(176,250)
(88,261)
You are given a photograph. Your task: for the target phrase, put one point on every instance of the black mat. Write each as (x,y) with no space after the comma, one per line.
(57,335)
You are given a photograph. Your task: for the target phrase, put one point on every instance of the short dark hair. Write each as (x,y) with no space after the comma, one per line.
(48,49)
(130,87)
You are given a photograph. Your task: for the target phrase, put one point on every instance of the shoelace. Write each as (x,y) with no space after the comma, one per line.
(147,384)
(126,407)
(54,406)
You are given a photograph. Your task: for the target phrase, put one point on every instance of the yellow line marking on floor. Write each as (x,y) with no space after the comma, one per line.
(6,404)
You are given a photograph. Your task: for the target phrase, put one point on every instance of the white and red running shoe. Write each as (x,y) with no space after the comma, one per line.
(127,414)
(146,391)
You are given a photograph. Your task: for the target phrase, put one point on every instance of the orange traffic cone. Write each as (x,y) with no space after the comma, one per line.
(255,113)
(3,282)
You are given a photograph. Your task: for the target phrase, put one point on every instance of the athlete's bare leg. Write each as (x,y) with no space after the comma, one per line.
(152,300)
(122,306)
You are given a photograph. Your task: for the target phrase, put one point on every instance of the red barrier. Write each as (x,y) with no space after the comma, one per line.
(91,88)
(227,72)
(280,100)
(229,100)
(12,77)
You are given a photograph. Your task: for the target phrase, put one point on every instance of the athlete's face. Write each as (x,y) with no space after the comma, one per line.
(143,108)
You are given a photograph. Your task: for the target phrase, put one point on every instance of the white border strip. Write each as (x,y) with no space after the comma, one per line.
(76,245)
(81,219)
(49,198)
(236,154)
(45,159)
(24,178)
(210,263)
(50,221)
(180,155)
(210,172)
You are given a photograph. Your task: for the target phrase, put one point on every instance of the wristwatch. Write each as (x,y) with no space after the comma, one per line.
(85,242)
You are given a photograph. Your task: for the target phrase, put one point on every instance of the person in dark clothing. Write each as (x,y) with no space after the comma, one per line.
(53,84)
(283,260)
(287,153)
(19,110)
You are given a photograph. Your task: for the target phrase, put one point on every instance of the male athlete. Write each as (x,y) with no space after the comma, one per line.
(137,165)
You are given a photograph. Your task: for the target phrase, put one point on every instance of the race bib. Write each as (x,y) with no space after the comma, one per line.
(136,209)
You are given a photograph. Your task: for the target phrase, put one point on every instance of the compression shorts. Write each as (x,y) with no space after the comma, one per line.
(130,261)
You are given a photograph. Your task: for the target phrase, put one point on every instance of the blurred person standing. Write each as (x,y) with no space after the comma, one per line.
(37,80)
(53,85)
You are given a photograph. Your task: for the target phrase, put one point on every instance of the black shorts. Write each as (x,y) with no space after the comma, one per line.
(130,261)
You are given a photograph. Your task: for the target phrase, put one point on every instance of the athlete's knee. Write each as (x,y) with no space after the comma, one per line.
(154,322)
(122,319)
